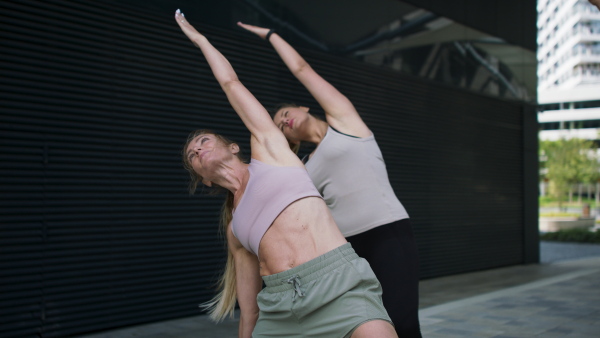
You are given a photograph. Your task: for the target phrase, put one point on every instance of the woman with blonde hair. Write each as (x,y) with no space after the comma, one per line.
(279,231)
(348,169)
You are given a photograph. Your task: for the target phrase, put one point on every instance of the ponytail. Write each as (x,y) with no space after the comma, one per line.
(223,303)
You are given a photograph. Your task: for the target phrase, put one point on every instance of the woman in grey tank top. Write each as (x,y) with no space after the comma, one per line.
(347,168)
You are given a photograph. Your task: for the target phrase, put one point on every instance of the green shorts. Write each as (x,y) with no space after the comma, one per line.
(329,296)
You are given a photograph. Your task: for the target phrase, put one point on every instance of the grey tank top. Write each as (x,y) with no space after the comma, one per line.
(350,174)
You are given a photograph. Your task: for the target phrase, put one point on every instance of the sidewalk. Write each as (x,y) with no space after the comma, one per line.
(563,302)
(557,299)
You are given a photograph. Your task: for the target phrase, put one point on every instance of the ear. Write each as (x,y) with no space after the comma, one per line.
(206,182)
(234,148)
(306,109)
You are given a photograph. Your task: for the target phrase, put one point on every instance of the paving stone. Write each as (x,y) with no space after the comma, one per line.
(459,332)
(587,329)
(560,330)
(582,335)
(553,335)
(561,299)
(497,318)
(436,334)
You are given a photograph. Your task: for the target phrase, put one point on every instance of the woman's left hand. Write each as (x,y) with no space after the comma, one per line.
(260,31)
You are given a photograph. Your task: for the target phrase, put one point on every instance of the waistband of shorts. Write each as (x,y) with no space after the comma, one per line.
(310,270)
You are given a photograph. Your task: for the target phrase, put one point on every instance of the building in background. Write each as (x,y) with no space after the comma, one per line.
(569,69)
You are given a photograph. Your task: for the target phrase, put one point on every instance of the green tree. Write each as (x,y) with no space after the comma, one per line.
(567,162)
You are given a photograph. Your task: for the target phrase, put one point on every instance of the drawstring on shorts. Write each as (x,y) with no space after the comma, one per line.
(295,281)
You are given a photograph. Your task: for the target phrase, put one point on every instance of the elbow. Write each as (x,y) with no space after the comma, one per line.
(300,68)
(228,84)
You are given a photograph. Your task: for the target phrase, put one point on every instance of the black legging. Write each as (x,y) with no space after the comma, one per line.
(392,252)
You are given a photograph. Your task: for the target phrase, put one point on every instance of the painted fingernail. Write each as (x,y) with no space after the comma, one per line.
(177,11)
(182,14)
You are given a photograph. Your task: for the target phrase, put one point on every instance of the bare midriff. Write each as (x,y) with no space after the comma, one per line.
(303,231)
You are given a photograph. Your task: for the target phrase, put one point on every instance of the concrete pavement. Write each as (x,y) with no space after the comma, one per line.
(558,298)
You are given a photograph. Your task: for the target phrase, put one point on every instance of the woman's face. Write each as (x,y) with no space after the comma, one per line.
(206,152)
(291,121)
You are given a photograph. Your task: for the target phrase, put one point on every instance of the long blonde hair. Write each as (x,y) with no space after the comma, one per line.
(223,303)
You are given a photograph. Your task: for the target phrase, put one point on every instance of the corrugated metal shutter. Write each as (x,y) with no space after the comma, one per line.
(455,160)
(97,228)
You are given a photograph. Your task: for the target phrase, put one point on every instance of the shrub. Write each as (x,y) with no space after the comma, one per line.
(572,235)
(559,214)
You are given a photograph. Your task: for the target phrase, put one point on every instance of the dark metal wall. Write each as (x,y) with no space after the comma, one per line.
(97,230)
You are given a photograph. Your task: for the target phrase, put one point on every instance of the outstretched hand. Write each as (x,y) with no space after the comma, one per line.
(260,31)
(185,26)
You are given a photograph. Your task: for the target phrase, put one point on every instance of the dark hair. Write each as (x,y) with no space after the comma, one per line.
(281,106)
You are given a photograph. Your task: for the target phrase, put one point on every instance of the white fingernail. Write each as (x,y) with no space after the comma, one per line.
(177,11)
(182,14)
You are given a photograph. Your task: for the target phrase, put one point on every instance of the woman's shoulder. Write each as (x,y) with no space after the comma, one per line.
(275,164)
(275,152)
(339,134)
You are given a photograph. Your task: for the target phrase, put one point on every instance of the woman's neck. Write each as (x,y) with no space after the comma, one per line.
(316,131)
(232,176)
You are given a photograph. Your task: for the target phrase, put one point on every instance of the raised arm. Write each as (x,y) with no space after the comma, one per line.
(252,113)
(340,112)
(268,142)
(248,284)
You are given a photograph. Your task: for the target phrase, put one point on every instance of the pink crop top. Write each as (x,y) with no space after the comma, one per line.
(269,191)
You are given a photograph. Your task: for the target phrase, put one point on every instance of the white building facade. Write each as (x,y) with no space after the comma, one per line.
(568,69)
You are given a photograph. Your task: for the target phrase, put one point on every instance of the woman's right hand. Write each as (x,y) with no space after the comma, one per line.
(260,31)
(187,28)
